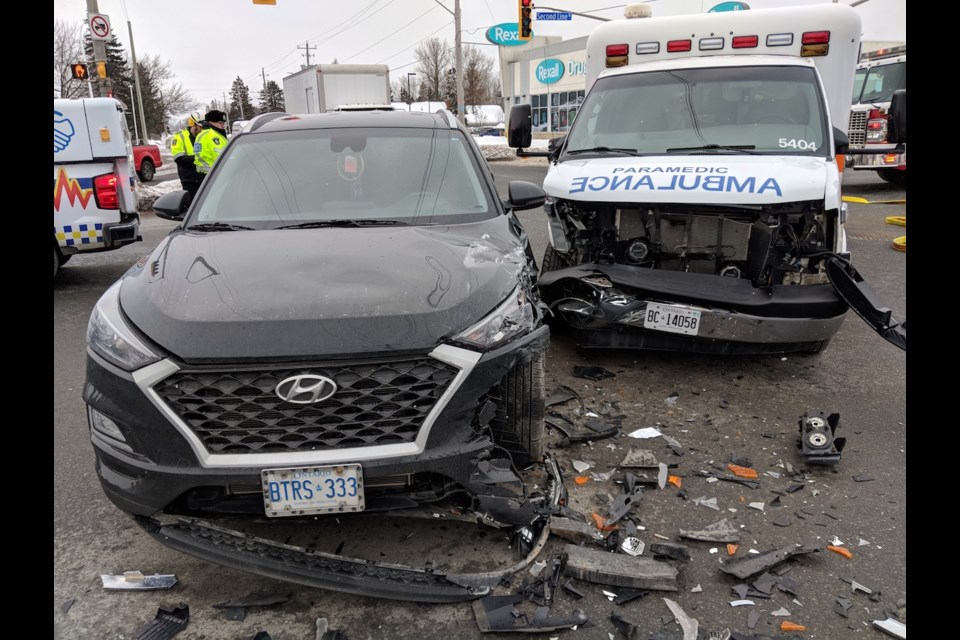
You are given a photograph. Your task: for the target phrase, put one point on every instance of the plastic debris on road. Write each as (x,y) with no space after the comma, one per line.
(843,551)
(645,432)
(137,581)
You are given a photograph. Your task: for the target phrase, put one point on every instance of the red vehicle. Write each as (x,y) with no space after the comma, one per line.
(146,159)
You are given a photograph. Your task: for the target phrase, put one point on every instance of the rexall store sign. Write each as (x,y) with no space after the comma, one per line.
(505,35)
(549,71)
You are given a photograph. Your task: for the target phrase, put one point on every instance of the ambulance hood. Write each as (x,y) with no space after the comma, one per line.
(714,179)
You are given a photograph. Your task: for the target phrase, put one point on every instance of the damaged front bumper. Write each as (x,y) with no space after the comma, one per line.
(608,304)
(312,568)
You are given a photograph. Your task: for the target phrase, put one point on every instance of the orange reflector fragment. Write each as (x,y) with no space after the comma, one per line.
(598,521)
(675,481)
(846,553)
(743,472)
(786,625)
(732,549)
(581,479)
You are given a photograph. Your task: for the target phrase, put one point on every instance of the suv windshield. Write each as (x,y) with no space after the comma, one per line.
(344,176)
(772,110)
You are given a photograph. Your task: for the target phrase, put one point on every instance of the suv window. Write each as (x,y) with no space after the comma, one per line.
(412,176)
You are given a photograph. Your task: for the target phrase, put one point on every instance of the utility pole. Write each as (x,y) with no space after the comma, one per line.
(307,47)
(458,71)
(104,85)
(264,76)
(136,132)
(136,80)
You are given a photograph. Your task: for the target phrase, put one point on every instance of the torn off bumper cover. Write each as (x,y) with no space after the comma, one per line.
(312,568)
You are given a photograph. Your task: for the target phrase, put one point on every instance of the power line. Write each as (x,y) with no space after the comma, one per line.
(400,29)
(414,45)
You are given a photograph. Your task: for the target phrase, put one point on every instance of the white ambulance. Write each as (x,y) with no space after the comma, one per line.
(695,203)
(94,197)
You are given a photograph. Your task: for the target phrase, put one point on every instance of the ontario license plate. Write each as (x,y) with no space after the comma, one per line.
(666,317)
(307,490)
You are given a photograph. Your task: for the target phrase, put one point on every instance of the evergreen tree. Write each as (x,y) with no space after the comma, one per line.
(240,106)
(271,97)
(121,75)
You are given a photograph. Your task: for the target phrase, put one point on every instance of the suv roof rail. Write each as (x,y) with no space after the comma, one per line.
(451,119)
(258,121)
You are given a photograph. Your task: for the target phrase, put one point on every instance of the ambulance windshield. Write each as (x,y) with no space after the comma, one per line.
(766,110)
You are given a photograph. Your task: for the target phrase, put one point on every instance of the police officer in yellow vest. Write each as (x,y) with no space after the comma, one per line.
(210,142)
(182,150)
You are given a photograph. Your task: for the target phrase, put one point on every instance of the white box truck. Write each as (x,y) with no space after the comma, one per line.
(94,197)
(695,203)
(330,87)
(880,74)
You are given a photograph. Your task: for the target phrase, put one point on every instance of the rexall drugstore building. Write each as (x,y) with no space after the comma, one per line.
(547,73)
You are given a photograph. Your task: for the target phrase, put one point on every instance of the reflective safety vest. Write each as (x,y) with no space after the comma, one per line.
(206,149)
(181,145)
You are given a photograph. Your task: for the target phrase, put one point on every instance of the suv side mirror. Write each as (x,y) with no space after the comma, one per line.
(172,205)
(520,131)
(897,133)
(524,195)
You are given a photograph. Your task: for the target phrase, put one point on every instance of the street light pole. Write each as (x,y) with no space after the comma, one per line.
(459,58)
(409,90)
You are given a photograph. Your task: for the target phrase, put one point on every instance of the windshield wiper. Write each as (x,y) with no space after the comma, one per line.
(629,152)
(345,222)
(218,226)
(741,148)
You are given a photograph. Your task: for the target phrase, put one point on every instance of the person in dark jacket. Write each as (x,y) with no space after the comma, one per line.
(182,150)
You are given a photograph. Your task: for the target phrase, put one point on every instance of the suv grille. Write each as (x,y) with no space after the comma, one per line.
(857,129)
(375,404)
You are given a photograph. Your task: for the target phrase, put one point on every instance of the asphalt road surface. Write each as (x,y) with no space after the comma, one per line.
(719,408)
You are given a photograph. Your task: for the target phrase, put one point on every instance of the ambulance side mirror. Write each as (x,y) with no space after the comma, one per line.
(841,143)
(172,205)
(897,133)
(520,130)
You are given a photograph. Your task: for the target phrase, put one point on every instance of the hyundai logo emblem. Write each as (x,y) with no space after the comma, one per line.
(306,389)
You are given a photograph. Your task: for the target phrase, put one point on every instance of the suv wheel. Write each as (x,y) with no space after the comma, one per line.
(518,426)
(147,170)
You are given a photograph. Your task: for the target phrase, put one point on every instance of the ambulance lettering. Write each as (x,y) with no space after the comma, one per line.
(626,179)
(76,191)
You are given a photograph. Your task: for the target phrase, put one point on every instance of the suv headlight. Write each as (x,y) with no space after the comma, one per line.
(110,337)
(515,317)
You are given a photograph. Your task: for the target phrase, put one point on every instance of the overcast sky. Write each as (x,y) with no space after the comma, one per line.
(210,42)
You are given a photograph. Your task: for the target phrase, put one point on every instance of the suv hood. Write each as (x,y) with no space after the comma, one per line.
(717,179)
(318,292)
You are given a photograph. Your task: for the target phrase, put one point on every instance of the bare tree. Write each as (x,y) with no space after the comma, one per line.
(433,60)
(478,77)
(67,50)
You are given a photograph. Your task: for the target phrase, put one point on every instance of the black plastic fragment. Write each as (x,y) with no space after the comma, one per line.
(765,583)
(66,605)
(237,609)
(560,395)
(746,567)
(670,550)
(629,630)
(167,623)
(592,373)
(789,585)
(261,635)
(842,606)
(629,595)
(499,614)
(782,520)
(569,588)
(752,619)
(794,488)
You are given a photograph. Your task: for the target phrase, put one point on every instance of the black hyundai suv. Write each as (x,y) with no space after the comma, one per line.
(344,320)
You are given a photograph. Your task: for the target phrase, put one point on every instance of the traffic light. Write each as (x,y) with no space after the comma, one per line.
(79,71)
(525,20)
